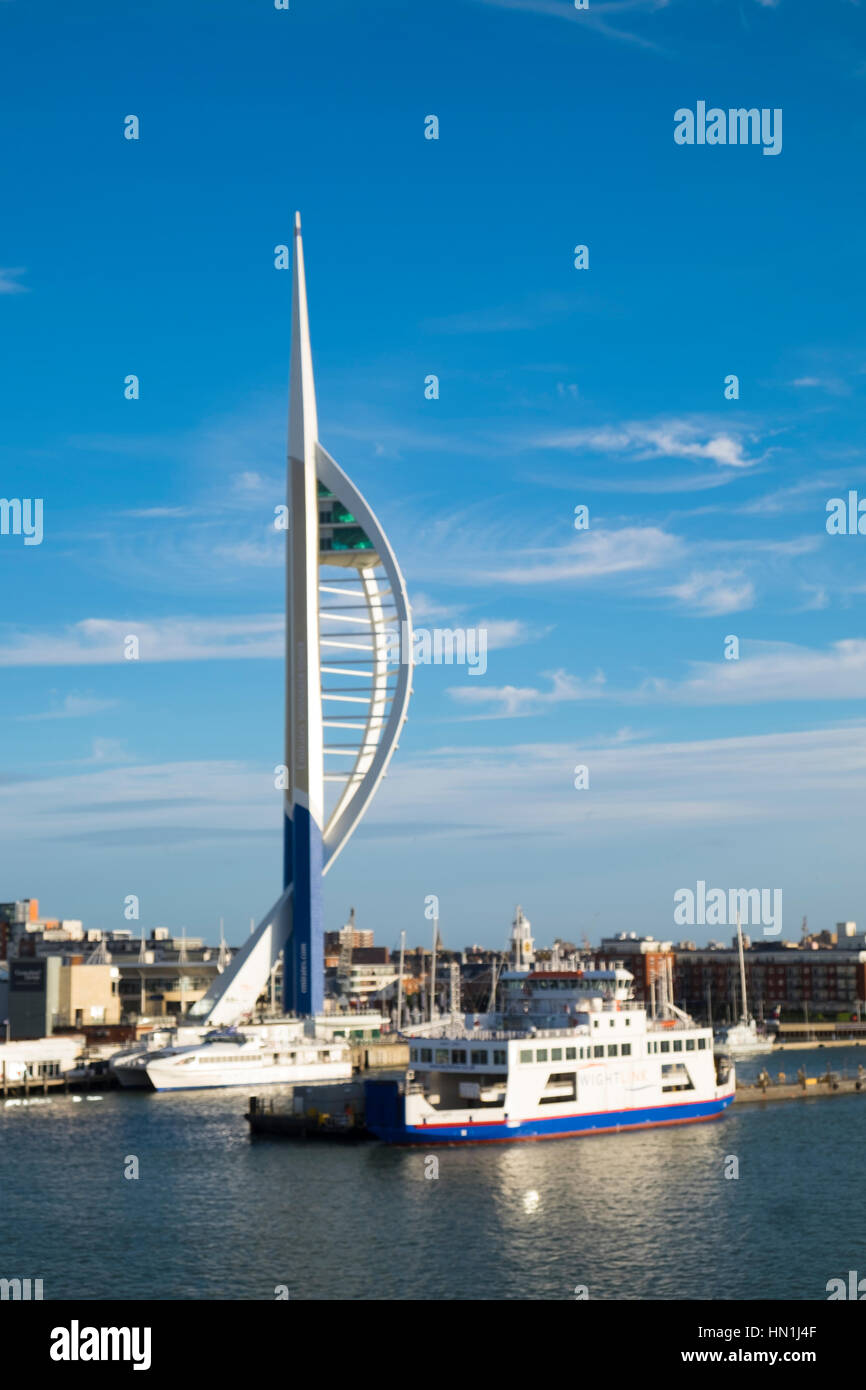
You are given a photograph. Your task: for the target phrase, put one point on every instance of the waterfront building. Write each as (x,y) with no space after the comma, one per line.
(52,994)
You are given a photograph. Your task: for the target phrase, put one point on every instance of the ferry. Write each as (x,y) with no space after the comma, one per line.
(257,1055)
(568,1053)
(128,1067)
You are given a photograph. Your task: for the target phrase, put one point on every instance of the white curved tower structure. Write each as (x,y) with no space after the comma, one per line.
(348,682)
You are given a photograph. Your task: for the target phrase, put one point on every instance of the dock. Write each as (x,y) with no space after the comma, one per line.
(832,1083)
(334,1111)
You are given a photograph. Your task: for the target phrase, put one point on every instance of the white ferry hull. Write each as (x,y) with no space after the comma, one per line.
(386,1119)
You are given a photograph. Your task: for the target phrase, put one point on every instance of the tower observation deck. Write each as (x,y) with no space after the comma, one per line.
(347,692)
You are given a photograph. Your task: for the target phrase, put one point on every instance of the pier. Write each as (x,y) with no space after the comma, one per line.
(803,1087)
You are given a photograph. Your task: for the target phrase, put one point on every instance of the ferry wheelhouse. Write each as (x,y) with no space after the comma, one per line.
(567,1053)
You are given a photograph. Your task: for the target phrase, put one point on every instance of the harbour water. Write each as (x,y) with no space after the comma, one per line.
(647,1215)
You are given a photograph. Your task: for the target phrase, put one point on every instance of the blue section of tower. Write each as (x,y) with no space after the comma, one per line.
(304,958)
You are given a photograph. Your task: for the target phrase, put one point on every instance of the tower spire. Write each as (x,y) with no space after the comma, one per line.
(304,796)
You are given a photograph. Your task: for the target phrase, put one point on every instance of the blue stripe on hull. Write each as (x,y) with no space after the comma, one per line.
(557,1127)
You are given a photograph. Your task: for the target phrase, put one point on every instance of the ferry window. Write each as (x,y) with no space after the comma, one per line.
(441,1054)
(541,1055)
(666,1047)
(690,1044)
(526,1056)
(556,1054)
(571,1054)
(500,1059)
(459,1058)
(612,1022)
(426,1054)
(613,1050)
(480,1057)
(598,1051)
(702,1042)
(678,1044)
(413,1053)
(628,1023)
(626,1049)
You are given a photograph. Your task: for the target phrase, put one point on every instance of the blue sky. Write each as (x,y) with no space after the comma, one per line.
(558,387)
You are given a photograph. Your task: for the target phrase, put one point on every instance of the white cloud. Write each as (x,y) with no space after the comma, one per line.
(592,555)
(100,641)
(714,592)
(511,700)
(9,281)
(650,440)
(772,671)
(72,707)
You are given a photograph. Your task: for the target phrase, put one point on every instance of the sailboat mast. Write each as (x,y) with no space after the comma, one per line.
(742,969)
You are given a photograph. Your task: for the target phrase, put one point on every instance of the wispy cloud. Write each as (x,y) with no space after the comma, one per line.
(714,592)
(685,439)
(72,707)
(9,280)
(592,555)
(510,700)
(595,18)
(101,641)
(772,671)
